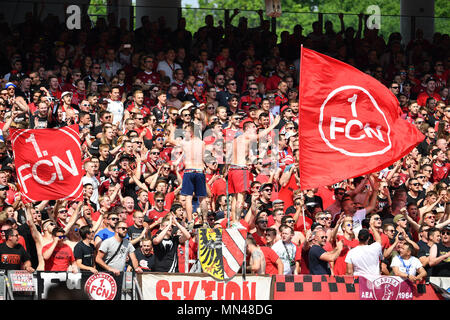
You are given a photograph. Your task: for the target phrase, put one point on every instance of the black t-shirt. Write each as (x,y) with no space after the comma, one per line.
(37,122)
(25,232)
(424,251)
(85,253)
(317,266)
(146,263)
(130,189)
(166,254)
(12,258)
(442,269)
(104,163)
(420,196)
(134,232)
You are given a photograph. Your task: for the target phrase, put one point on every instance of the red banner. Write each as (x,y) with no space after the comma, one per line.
(48,163)
(350,123)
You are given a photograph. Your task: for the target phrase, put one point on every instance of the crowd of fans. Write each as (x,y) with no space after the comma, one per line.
(181,131)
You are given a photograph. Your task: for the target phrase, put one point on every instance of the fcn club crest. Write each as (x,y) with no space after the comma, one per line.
(222,251)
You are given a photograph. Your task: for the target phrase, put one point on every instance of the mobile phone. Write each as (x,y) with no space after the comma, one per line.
(127,46)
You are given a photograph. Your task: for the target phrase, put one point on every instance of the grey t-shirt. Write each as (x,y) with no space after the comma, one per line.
(109,247)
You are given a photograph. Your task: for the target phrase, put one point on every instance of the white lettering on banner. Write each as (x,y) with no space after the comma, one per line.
(368,131)
(340,128)
(56,162)
(73,280)
(181,287)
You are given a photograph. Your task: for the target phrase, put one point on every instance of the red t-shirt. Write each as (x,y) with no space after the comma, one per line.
(153,216)
(340,267)
(440,171)
(61,258)
(260,241)
(422,98)
(271,260)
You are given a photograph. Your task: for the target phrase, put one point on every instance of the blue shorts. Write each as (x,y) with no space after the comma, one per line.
(194,182)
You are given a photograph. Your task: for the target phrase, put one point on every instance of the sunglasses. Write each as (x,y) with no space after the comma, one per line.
(416,184)
(114,219)
(62,237)
(62,211)
(159,200)
(262,221)
(123,228)
(445,233)
(290,221)
(267,190)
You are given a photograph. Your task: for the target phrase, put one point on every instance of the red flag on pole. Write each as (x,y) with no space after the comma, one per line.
(48,163)
(349,124)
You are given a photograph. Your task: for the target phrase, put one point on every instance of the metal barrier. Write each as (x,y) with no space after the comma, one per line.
(21,285)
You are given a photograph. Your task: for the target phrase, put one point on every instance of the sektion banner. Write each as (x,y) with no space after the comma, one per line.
(203,287)
(349,123)
(48,163)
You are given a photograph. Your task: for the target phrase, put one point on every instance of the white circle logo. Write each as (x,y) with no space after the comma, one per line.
(101,286)
(352,123)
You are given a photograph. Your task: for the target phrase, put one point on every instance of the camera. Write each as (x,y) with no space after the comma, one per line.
(401,237)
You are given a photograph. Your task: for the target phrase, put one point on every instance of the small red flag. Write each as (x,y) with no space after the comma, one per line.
(48,163)
(349,124)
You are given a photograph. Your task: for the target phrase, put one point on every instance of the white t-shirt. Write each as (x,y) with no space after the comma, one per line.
(116,108)
(409,266)
(365,259)
(168,70)
(286,254)
(358,217)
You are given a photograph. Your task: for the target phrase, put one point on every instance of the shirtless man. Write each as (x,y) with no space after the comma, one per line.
(194,181)
(238,172)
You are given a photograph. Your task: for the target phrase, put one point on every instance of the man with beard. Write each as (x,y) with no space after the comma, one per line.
(113,252)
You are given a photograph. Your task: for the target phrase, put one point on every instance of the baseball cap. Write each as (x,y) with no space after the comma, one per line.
(102,101)
(9,84)
(265,185)
(65,93)
(285,107)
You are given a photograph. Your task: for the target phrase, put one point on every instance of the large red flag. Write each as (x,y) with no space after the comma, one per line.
(349,123)
(48,163)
